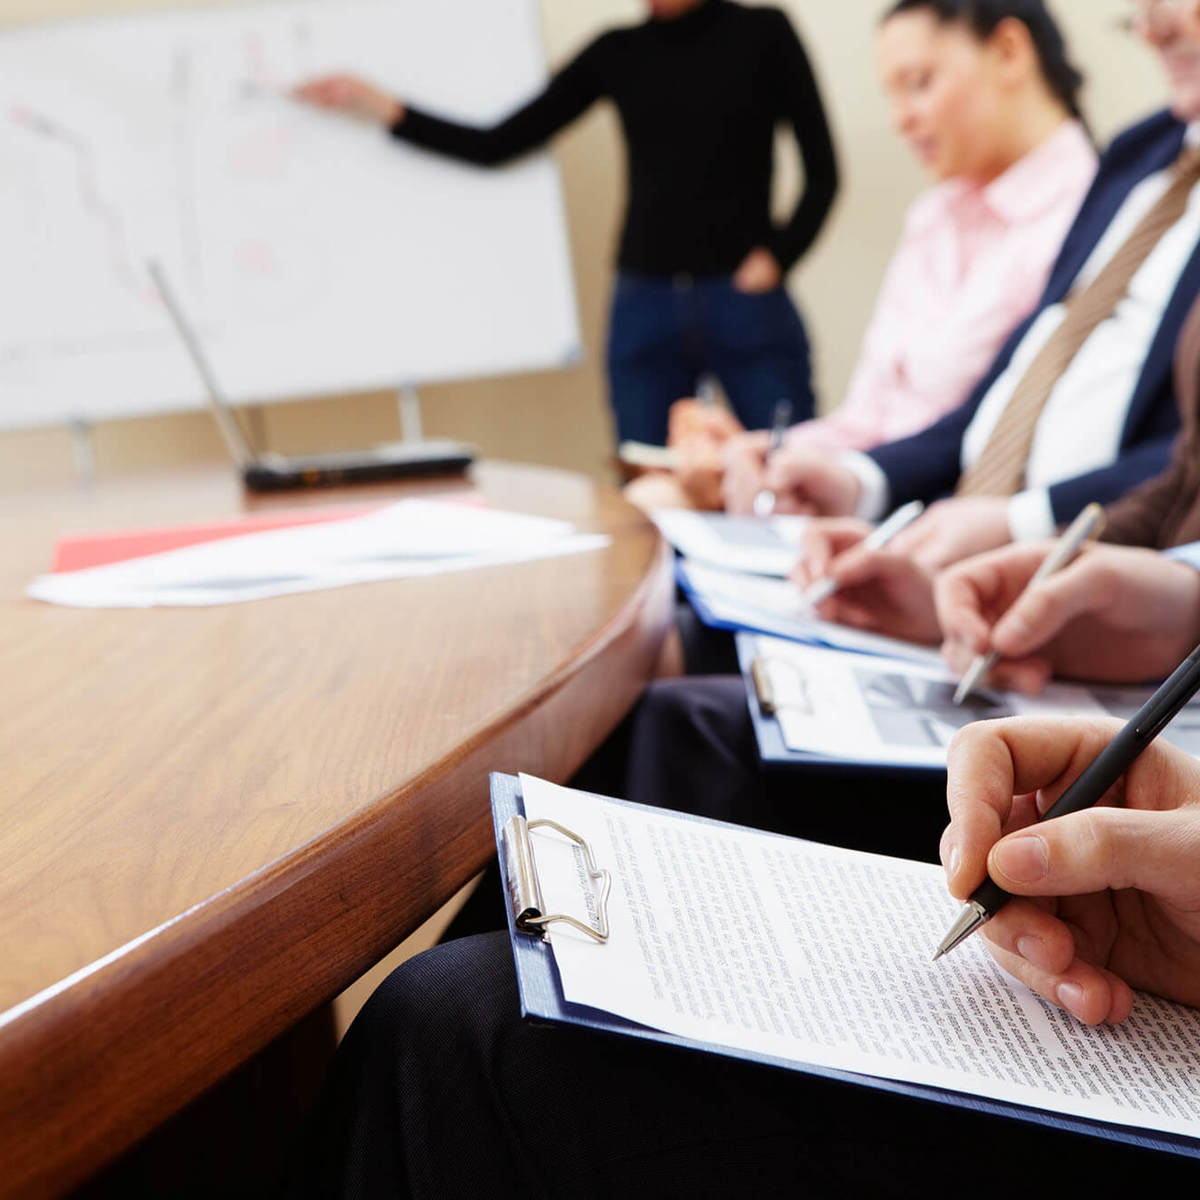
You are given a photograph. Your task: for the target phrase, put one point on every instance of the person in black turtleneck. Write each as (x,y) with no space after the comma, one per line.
(700,88)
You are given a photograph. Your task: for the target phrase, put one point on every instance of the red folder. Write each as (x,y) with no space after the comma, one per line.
(100,549)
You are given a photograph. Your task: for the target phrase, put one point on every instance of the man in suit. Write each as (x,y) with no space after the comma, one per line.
(1166,510)
(1078,405)
(886,592)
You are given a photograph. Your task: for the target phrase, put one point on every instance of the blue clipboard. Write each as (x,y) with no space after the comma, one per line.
(700,606)
(541,996)
(765,624)
(774,752)
(708,617)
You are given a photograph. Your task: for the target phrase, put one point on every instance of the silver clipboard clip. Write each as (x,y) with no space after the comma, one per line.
(525,892)
(779,685)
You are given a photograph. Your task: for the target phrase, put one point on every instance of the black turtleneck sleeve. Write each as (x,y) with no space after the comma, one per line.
(800,104)
(568,94)
(700,97)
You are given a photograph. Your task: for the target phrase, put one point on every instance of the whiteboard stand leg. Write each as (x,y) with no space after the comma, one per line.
(83,450)
(257,420)
(437,456)
(410,414)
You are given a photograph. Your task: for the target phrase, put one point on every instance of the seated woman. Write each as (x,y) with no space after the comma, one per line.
(984,93)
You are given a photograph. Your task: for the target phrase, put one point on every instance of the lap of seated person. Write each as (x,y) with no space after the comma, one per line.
(692,749)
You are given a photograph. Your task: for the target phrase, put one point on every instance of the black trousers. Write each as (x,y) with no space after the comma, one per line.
(690,746)
(440,1090)
(692,749)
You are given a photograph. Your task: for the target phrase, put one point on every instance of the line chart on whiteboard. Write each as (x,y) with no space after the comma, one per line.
(314,253)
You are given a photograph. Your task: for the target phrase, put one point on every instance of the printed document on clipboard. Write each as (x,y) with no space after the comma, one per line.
(813,704)
(736,601)
(612,913)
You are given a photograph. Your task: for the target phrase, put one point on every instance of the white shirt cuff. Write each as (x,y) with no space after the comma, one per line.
(873,498)
(1189,554)
(1030,517)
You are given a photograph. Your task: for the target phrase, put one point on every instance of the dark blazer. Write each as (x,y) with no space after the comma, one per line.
(1165,511)
(927,465)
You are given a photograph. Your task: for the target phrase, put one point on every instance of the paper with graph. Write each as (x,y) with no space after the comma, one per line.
(315,253)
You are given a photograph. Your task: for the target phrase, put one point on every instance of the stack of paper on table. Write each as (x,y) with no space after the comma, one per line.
(411,537)
(818,959)
(838,707)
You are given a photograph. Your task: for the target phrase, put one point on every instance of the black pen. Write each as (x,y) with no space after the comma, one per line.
(764,502)
(1109,765)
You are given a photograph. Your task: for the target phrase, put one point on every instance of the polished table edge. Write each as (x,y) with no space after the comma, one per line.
(78,1076)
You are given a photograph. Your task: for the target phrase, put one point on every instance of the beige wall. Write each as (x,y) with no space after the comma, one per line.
(560,417)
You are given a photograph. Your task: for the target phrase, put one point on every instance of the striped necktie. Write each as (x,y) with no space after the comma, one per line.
(1000,470)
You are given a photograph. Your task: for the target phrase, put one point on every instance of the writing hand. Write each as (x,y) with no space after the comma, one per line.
(1107,900)
(699,434)
(1116,614)
(803,482)
(877,589)
(951,530)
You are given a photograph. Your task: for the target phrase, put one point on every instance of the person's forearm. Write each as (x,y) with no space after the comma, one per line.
(1108,484)
(483,146)
(793,241)
(568,94)
(925,465)
(806,113)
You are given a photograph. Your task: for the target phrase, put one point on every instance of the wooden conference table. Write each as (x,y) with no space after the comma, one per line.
(213,820)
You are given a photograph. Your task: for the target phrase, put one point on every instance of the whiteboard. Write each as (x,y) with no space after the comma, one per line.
(314,253)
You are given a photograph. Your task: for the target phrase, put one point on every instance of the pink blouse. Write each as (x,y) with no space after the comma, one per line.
(971,264)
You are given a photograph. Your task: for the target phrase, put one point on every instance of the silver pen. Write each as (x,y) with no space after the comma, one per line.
(1089,524)
(764,502)
(820,590)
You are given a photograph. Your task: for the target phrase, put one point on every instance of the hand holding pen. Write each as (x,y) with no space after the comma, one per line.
(1116,614)
(1124,881)
(821,589)
(1027,862)
(1086,527)
(765,500)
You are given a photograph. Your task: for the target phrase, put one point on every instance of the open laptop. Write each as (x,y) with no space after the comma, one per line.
(266,472)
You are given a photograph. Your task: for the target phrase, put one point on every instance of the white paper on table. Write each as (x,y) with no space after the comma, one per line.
(775,606)
(411,537)
(820,955)
(863,708)
(759,545)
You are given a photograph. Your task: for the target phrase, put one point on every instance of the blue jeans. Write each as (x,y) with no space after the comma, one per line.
(665,334)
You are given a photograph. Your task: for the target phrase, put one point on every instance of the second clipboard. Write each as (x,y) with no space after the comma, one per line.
(769,689)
